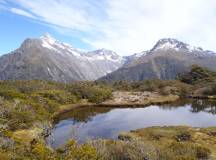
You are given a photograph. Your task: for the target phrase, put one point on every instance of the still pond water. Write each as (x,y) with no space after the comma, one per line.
(99,122)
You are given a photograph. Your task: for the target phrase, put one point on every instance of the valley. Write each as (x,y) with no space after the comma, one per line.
(100,120)
(107,80)
(61,103)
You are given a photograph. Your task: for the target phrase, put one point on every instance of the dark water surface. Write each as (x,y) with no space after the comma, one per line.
(100,122)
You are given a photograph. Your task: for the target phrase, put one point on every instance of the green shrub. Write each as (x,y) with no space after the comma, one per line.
(202,152)
(41,152)
(99,94)
(80,152)
(184,150)
(20,120)
(11,94)
(94,93)
(210,89)
(198,74)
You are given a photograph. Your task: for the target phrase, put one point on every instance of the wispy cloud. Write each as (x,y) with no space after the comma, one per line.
(78,15)
(127,26)
(22,12)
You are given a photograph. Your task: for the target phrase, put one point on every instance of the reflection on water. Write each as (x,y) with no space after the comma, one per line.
(208,106)
(100,122)
(82,114)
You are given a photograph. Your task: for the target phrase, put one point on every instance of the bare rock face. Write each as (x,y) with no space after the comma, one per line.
(49,59)
(167,59)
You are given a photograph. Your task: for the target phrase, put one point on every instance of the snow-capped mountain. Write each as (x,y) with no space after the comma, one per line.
(49,59)
(168,58)
(47,41)
(173,44)
(104,54)
(169,43)
(133,57)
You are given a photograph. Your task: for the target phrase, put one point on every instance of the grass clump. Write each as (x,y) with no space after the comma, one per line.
(176,142)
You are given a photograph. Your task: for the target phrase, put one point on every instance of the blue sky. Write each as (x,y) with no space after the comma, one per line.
(124,26)
(15,28)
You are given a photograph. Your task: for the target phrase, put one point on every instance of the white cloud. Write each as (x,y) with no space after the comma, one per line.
(76,15)
(137,25)
(128,26)
(22,12)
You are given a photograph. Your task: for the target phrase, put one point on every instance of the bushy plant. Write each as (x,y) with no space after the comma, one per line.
(80,152)
(99,94)
(94,93)
(41,152)
(210,89)
(184,150)
(20,120)
(11,94)
(198,74)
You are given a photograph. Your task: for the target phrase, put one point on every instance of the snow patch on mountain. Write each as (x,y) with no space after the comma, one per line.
(166,46)
(98,55)
(48,41)
(51,43)
(137,55)
(104,54)
(173,44)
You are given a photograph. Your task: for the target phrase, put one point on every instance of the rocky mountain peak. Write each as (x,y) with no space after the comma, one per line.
(105,52)
(166,60)
(47,41)
(174,44)
(49,59)
(48,38)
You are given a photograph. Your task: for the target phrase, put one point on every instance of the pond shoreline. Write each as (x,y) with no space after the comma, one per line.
(201,97)
(131,99)
(124,100)
(142,100)
(122,105)
(105,123)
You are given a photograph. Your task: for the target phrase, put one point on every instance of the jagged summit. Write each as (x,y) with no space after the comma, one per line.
(171,43)
(50,42)
(47,37)
(49,59)
(167,59)
(104,52)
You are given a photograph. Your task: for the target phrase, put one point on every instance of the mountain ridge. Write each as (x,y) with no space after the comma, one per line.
(168,58)
(48,59)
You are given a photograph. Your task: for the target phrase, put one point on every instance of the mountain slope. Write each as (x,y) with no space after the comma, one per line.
(49,59)
(165,60)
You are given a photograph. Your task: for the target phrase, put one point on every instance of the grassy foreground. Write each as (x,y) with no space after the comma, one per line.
(180,142)
(26,111)
(27,108)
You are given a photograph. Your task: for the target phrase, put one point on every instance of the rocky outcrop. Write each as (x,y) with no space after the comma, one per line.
(138,99)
